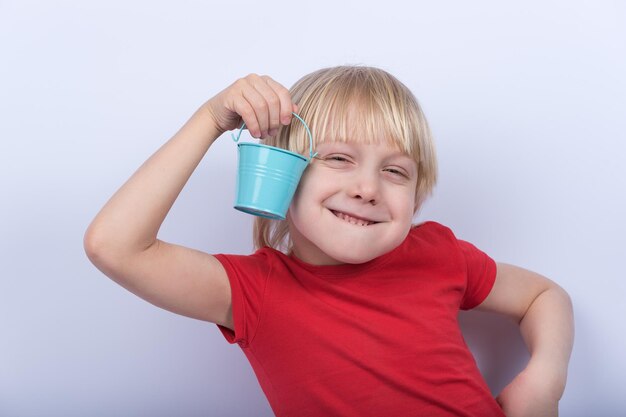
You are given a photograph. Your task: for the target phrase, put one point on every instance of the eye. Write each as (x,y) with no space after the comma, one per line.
(338,158)
(396,171)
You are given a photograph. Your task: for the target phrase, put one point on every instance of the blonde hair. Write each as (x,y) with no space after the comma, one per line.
(353,102)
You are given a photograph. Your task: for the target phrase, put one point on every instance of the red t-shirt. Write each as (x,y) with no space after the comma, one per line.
(374,339)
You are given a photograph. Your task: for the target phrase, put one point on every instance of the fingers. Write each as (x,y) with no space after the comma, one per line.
(265,106)
(286,106)
(270,122)
(257,119)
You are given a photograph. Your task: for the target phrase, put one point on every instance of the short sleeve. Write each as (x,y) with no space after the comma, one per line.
(481,275)
(248,277)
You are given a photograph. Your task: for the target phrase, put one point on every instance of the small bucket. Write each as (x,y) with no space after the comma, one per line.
(268,176)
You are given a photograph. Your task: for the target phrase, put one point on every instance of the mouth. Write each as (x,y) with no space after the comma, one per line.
(352,219)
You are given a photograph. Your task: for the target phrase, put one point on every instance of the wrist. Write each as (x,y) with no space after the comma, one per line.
(208,115)
(204,125)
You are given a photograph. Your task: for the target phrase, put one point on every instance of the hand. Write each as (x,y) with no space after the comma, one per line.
(262,103)
(528,395)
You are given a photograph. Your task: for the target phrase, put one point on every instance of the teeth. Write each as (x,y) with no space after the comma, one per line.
(352,220)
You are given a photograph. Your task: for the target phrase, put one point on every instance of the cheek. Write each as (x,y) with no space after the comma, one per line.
(412,201)
(305,199)
(307,180)
(402,201)
(313,186)
(302,189)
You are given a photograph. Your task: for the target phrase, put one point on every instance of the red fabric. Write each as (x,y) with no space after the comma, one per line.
(374,339)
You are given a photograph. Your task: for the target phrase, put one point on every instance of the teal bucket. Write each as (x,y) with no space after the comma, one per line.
(268,176)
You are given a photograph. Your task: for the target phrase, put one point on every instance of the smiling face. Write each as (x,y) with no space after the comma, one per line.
(354,203)
(356,209)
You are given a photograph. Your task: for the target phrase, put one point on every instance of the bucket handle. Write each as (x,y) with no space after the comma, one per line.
(311,154)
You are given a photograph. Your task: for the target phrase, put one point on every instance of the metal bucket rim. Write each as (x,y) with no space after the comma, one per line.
(273,148)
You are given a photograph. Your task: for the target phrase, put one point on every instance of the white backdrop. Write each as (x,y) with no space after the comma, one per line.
(527,103)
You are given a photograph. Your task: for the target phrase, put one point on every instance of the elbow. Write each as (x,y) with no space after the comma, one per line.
(566,302)
(92,246)
(97,249)
(107,253)
(563,295)
(551,293)
(553,301)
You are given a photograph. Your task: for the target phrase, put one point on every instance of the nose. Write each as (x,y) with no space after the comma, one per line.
(365,187)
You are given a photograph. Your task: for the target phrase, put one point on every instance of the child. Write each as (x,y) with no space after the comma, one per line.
(346,308)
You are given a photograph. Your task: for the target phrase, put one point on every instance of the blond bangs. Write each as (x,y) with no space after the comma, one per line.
(353,103)
(361,108)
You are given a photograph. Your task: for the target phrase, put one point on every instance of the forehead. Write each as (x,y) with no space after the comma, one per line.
(356,115)
(356,124)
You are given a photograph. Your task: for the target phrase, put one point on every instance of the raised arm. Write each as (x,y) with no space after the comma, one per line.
(122,241)
(544,313)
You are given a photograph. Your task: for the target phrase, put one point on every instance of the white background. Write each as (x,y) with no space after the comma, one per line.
(526,101)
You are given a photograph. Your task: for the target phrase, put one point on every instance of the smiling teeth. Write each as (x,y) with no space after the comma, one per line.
(353,220)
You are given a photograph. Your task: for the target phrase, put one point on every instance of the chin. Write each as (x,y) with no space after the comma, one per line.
(356,255)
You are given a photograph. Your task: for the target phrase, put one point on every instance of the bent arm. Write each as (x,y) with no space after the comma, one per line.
(544,313)
(129,222)
(122,241)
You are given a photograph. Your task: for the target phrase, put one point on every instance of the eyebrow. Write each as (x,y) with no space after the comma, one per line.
(396,154)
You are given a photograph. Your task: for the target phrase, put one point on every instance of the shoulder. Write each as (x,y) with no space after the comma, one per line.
(439,234)
(436,239)
(432,230)
(261,260)
(430,240)
(258,255)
